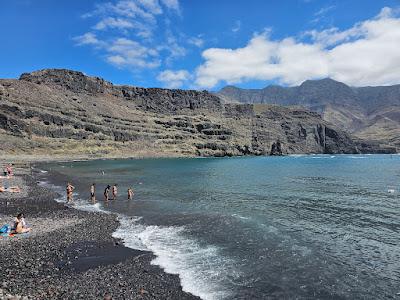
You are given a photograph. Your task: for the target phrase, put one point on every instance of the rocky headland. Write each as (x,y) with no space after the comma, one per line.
(66,113)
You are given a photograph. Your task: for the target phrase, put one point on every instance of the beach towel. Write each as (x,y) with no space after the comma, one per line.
(10,234)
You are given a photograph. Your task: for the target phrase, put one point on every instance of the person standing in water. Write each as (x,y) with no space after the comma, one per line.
(92,192)
(106,192)
(130,193)
(114,191)
(70,189)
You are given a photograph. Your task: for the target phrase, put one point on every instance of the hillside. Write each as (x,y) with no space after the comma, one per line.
(63,112)
(371,113)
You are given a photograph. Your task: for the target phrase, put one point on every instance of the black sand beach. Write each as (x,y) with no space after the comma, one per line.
(71,254)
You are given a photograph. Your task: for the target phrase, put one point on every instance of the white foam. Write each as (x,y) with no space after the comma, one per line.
(129,231)
(240,217)
(89,207)
(201,269)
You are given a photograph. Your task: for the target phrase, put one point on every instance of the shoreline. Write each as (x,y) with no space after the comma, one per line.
(71,254)
(35,159)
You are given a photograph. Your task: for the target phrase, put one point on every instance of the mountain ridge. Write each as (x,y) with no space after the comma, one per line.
(355,109)
(66,112)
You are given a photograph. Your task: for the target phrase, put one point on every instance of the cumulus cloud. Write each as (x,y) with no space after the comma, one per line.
(366,54)
(173,79)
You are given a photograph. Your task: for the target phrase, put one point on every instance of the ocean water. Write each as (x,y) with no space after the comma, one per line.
(294,227)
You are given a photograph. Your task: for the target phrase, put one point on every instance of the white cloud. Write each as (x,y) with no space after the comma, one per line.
(110,22)
(152,5)
(196,41)
(88,38)
(324,10)
(236,28)
(173,79)
(125,30)
(172,4)
(130,8)
(125,53)
(172,47)
(366,54)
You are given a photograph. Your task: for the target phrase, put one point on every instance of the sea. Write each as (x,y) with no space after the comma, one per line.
(292,227)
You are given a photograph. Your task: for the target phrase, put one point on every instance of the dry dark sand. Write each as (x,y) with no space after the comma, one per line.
(71,254)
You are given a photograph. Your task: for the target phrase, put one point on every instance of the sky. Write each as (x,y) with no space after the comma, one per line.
(205,44)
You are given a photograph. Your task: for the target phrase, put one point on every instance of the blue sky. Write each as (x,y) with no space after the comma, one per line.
(204,44)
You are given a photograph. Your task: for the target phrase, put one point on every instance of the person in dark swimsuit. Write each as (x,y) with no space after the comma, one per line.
(92,192)
(106,192)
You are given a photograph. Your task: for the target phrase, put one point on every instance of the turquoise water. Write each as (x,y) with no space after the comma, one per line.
(257,227)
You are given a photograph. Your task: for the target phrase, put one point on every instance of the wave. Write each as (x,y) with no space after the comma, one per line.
(201,269)
(89,207)
(240,217)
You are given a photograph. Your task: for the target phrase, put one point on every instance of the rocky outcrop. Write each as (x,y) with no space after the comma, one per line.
(59,111)
(73,81)
(153,99)
(371,113)
(276,149)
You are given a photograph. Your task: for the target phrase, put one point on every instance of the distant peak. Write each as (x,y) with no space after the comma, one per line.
(327,80)
(229,87)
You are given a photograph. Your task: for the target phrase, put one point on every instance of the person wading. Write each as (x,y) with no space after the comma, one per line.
(114,191)
(130,194)
(92,192)
(70,189)
(106,192)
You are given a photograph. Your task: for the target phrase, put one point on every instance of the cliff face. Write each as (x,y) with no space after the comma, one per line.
(63,111)
(370,113)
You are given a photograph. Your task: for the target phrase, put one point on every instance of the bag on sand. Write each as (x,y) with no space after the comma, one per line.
(5,229)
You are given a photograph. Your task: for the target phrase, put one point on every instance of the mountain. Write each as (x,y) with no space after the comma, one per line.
(371,113)
(64,112)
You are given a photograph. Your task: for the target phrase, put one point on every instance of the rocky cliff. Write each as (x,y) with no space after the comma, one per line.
(371,113)
(66,112)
